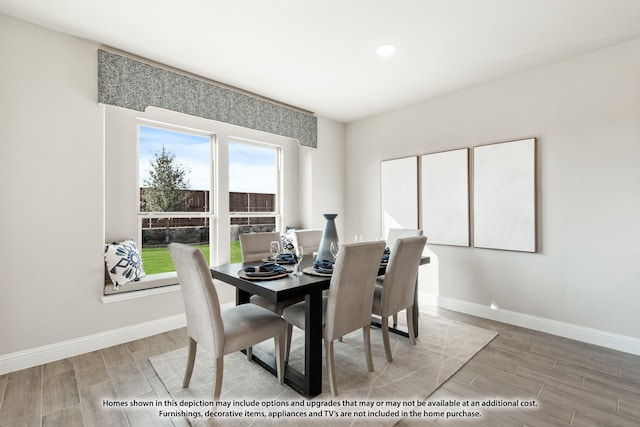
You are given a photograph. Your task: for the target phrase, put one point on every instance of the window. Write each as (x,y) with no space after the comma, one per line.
(175,204)
(254,181)
(218,201)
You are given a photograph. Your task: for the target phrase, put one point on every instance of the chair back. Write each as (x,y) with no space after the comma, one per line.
(398,288)
(201,303)
(351,290)
(256,246)
(395,233)
(309,240)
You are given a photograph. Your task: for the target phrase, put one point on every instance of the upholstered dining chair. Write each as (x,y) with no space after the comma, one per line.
(396,291)
(309,239)
(394,234)
(220,332)
(346,306)
(255,247)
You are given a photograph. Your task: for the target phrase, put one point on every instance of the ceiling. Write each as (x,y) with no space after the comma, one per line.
(319,55)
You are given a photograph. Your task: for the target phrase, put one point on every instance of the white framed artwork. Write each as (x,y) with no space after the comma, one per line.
(504,196)
(399,193)
(444,190)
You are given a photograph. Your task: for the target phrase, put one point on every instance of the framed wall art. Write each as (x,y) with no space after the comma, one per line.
(504,195)
(444,190)
(399,193)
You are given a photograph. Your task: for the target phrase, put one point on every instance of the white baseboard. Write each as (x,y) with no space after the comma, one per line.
(61,350)
(567,330)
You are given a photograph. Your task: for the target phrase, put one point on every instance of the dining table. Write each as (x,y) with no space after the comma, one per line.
(282,288)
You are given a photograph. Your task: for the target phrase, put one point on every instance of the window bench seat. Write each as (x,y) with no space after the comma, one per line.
(152,284)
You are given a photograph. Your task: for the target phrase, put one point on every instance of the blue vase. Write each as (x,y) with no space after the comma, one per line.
(329,234)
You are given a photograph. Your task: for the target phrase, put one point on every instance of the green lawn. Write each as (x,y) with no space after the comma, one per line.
(158,260)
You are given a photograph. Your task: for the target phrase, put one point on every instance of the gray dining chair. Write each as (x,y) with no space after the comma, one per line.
(394,234)
(396,291)
(220,332)
(255,247)
(346,307)
(309,239)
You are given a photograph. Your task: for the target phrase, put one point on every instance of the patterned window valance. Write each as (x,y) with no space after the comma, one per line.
(125,82)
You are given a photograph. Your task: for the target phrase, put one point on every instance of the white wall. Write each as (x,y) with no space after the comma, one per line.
(322,171)
(585,113)
(52,191)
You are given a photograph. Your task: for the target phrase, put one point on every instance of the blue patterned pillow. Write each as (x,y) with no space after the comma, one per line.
(124,262)
(289,243)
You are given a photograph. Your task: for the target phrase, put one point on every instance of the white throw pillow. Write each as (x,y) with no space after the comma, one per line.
(289,243)
(124,262)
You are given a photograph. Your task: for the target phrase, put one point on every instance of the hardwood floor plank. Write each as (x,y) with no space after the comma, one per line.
(90,369)
(629,408)
(588,368)
(579,399)
(3,386)
(530,359)
(597,419)
(615,357)
(59,392)
(58,367)
(129,382)
(615,386)
(506,385)
(549,376)
(483,360)
(94,410)
(22,402)
(67,417)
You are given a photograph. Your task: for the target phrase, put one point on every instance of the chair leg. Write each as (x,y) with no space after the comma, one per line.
(218,378)
(385,338)
(395,320)
(328,345)
(279,341)
(366,333)
(287,342)
(191,359)
(412,335)
(249,353)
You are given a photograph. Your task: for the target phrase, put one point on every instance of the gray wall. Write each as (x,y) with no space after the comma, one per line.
(585,113)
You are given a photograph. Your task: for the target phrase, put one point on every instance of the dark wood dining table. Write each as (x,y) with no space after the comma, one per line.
(310,287)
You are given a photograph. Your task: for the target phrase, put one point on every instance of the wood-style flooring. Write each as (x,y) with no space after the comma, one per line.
(572,383)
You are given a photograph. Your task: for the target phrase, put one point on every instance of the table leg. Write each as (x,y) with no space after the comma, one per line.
(309,383)
(242,297)
(313,344)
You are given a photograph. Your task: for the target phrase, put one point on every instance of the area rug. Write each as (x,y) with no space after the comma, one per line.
(395,390)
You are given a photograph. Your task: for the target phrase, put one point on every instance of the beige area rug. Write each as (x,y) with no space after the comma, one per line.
(252,396)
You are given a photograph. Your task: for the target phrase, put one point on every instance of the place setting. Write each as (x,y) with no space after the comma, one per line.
(272,267)
(324,267)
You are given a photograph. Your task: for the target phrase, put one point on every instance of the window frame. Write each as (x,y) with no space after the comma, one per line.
(277,214)
(210,215)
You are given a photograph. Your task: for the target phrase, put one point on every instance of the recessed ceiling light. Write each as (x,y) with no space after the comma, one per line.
(385,50)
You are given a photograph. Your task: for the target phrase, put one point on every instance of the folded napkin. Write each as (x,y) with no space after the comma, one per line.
(287,257)
(385,257)
(324,266)
(267,267)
